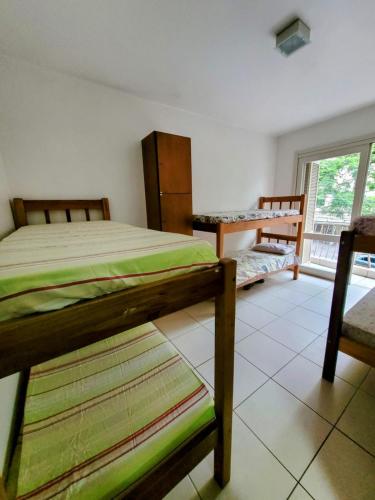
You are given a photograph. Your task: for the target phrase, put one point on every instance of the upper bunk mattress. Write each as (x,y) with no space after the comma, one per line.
(48,267)
(242,216)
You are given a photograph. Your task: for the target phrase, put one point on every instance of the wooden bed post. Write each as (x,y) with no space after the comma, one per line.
(259,231)
(220,241)
(299,236)
(105,209)
(224,365)
(19,214)
(338,304)
(3,495)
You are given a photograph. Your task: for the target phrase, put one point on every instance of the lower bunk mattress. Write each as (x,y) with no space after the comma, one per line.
(252,265)
(99,418)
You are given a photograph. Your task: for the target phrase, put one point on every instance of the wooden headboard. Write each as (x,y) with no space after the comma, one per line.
(21,207)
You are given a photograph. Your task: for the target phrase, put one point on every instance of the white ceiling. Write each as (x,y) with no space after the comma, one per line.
(215,57)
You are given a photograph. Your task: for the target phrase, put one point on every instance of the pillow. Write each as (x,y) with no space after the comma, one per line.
(279,248)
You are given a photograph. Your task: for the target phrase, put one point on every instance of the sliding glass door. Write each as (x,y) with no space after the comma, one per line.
(364,264)
(340,185)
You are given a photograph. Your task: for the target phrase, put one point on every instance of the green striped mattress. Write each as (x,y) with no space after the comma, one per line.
(98,418)
(50,266)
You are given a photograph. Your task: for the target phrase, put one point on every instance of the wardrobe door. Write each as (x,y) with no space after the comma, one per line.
(151,179)
(176,213)
(174,162)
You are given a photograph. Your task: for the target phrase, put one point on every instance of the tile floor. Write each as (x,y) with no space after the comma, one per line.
(295,436)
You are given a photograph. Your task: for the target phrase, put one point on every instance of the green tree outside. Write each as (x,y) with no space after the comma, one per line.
(337,178)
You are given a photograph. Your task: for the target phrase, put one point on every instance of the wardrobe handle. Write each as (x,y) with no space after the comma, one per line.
(161,194)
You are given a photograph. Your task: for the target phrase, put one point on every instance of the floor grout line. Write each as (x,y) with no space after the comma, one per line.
(333,426)
(264,444)
(355,442)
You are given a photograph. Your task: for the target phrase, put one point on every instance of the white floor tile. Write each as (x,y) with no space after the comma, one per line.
(304,379)
(305,287)
(318,305)
(308,319)
(293,296)
(327,295)
(256,474)
(176,324)
(271,303)
(261,291)
(355,279)
(276,280)
(299,494)
(183,491)
(367,283)
(349,369)
(278,418)
(197,346)
(284,276)
(358,421)
(341,471)
(247,378)
(246,295)
(263,352)
(253,315)
(203,311)
(289,334)
(369,383)
(288,427)
(242,329)
(354,294)
(315,281)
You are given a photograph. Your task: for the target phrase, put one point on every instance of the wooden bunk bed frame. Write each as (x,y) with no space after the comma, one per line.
(350,242)
(221,229)
(36,338)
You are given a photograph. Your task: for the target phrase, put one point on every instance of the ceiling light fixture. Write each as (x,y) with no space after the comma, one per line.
(293,37)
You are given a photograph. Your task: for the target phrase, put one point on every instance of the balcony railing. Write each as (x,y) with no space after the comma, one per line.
(327,251)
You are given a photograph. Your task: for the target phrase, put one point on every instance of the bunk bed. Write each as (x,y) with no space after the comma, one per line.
(101,320)
(272,211)
(354,332)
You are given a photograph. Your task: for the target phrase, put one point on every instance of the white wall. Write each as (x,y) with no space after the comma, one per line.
(344,127)
(6,220)
(8,386)
(66,137)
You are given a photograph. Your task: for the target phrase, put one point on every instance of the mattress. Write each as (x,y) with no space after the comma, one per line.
(359,321)
(50,266)
(244,215)
(252,265)
(99,418)
(364,225)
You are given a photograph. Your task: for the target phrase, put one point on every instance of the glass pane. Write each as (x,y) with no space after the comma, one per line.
(330,203)
(368,207)
(364,260)
(335,193)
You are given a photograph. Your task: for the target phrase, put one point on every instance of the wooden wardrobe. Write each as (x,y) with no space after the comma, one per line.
(168,188)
